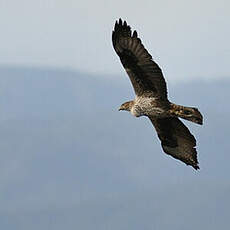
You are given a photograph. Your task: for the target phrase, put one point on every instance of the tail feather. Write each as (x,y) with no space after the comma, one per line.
(187,113)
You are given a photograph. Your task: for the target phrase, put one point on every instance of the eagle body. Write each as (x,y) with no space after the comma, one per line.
(149,106)
(151,97)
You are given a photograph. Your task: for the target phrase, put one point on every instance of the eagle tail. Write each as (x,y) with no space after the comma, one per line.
(187,113)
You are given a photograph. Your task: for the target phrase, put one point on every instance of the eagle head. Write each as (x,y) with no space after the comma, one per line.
(127,106)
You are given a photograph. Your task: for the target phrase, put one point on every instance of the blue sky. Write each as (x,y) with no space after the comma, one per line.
(189,39)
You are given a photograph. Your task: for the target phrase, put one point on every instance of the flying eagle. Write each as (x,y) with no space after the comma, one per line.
(151,97)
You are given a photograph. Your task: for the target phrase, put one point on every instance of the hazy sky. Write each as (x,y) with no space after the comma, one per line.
(188,39)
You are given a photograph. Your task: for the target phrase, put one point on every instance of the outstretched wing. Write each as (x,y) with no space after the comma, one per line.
(176,140)
(145,75)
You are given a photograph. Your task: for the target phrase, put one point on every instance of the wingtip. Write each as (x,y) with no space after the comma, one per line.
(135,34)
(121,22)
(196,167)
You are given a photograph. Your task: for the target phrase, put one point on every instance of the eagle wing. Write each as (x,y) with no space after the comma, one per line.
(145,75)
(176,140)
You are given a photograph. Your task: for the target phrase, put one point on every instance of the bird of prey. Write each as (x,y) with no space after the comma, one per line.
(151,97)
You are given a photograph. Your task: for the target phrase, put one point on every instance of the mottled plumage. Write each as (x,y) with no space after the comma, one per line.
(151,97)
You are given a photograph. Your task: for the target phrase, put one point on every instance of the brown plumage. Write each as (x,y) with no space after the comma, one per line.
(151,97)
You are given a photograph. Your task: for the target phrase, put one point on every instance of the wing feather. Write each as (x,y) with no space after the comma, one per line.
(176,140)
(145,75)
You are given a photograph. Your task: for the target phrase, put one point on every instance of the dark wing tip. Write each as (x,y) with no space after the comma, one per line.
(121,28)
(192,161)
(135,34)
(196,167)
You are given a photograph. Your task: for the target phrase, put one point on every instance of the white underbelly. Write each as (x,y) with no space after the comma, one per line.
(146,107)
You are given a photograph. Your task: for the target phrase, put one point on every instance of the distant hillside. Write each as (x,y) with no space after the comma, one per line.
(69,156)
